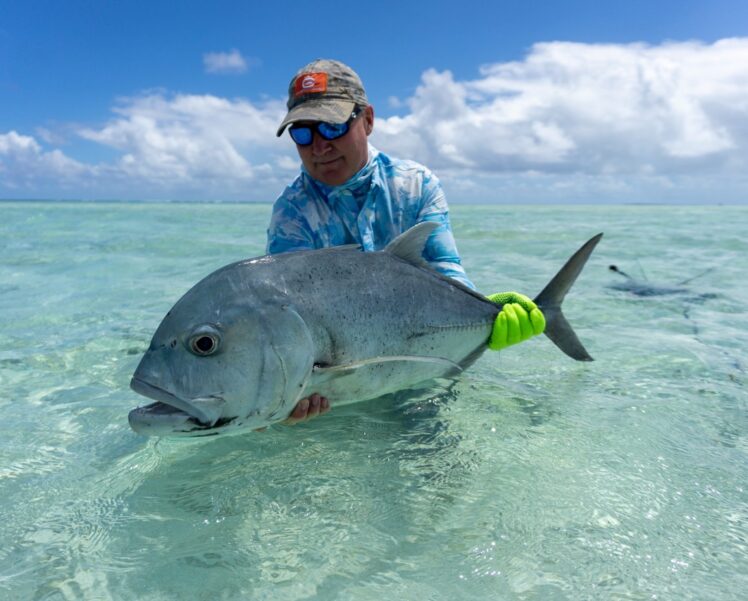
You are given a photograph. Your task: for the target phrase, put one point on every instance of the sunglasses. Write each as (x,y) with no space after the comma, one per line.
(304,134)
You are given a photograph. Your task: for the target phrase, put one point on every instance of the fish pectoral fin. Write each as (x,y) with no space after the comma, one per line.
(372,361)
(376,376)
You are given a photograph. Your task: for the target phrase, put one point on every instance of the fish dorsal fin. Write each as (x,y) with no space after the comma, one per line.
(409,245)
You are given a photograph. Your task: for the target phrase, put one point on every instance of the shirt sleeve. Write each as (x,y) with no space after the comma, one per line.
(441,249)
(288,230)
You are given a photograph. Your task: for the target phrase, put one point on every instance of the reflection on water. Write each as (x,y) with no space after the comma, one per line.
(532,477)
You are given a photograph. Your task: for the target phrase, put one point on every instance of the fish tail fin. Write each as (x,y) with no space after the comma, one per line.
(549,300)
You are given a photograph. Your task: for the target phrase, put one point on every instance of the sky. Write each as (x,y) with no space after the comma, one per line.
(506,101)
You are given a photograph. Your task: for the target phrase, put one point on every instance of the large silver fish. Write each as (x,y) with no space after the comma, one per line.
(242,346)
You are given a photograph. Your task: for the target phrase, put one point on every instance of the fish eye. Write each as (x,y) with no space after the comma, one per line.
(204,343)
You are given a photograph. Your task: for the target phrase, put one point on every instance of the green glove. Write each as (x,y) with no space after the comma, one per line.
(519,320)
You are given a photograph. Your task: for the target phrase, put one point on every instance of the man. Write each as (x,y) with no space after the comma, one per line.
(350,193)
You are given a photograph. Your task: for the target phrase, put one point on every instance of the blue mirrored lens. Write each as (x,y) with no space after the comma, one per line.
(330,131)
(301,135)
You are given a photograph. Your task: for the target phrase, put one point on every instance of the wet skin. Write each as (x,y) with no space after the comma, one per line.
(308,408)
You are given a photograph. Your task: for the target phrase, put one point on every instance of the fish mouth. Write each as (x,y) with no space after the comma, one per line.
(170,412)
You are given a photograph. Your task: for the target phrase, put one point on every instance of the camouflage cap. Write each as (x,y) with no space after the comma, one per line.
(324,90)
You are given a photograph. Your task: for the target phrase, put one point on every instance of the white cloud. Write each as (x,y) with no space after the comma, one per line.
(24,164)
(190,142)
(592,109)
(50,137)
(168,146)
(394,102)
(567,122)
(225,62)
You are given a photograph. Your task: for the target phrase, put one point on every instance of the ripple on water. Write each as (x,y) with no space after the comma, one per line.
(534,478)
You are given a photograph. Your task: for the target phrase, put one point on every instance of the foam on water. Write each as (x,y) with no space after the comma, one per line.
(534,477)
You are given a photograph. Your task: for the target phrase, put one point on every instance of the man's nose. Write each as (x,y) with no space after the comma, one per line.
(319,144)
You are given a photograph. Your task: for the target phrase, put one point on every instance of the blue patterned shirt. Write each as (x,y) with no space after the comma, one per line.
(380,202)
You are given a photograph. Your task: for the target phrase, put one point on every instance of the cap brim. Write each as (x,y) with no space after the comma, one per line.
(331,111)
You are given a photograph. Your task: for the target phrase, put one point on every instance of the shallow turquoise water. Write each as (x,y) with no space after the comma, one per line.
(535,477)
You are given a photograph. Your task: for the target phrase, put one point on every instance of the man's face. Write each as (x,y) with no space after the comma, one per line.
(334,162)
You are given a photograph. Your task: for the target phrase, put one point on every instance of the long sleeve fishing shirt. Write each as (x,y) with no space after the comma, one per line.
(384,199)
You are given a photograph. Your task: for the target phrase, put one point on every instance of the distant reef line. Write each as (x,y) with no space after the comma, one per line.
(527,204)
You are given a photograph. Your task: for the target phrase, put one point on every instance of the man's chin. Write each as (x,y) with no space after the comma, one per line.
(332,173)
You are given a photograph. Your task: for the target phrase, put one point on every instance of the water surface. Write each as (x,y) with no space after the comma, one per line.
(534,477)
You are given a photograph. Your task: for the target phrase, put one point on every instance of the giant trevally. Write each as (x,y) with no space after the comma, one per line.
(246,343)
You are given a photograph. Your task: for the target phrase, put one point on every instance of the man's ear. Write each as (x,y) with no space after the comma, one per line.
(369,119)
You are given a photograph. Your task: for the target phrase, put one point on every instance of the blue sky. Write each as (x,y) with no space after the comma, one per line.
(507,101)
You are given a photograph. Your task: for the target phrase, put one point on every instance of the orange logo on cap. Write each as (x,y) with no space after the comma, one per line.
(310,83)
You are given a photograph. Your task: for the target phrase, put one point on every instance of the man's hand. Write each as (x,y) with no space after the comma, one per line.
(308,408)
(305,409)
(519,320)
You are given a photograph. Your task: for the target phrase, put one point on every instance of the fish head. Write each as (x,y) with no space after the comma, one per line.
(222,359)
